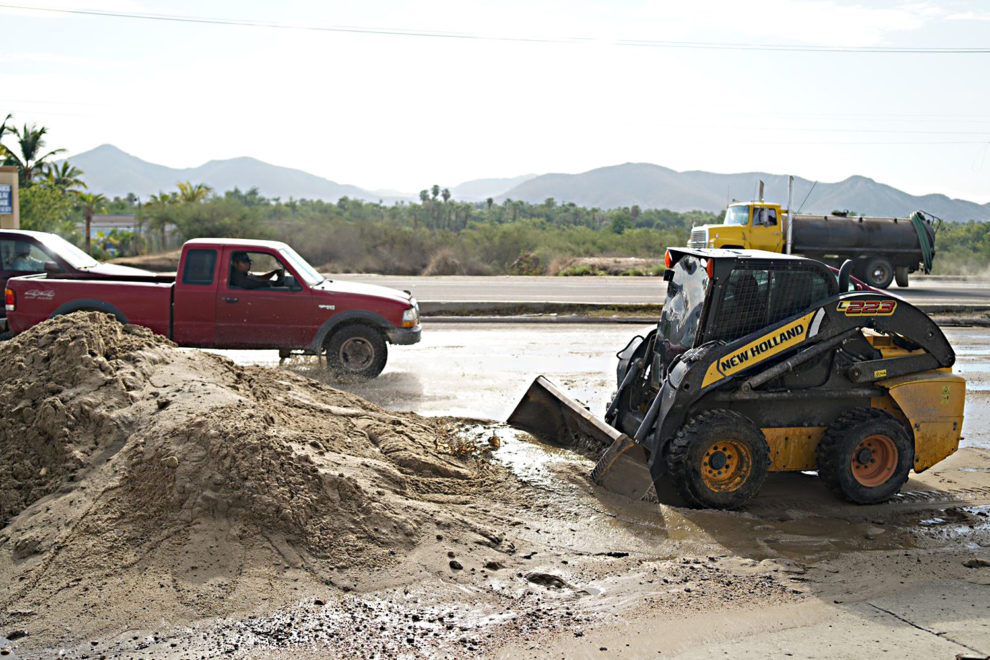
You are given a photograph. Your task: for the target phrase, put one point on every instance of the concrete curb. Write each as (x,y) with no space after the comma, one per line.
(630,313)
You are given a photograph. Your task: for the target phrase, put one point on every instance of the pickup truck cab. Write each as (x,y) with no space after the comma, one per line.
(236,293)
(24,252)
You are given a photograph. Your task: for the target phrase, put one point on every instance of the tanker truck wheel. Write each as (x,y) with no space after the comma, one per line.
(865,456)
(718,460)
(879,272)
(901,276)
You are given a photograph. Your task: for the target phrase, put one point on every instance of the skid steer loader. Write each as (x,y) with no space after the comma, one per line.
(763,362)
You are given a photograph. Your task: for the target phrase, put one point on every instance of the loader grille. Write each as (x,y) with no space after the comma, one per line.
(699,237)
(756,298)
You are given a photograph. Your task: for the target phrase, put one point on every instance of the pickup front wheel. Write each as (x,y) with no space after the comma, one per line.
(357,351)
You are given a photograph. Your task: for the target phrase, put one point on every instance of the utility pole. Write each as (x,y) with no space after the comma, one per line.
(790,215)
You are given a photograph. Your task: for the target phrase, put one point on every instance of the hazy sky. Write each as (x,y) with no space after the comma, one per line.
(450,90)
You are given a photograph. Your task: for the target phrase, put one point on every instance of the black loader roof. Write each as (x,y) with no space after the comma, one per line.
(737,254)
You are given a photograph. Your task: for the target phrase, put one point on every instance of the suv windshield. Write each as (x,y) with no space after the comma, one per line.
(681,313)
(737,215)
(63,248)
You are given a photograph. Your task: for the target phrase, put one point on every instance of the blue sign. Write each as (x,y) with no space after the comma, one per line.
(6,203)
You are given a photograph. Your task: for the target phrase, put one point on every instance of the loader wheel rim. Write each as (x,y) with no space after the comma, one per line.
(874,460)
(356,354)
(726,466)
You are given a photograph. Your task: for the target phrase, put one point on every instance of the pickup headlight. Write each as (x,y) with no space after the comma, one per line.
(410,317)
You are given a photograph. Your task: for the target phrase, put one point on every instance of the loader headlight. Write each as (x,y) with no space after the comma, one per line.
(410,317)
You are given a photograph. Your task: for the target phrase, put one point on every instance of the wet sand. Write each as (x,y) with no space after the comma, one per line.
(556,567)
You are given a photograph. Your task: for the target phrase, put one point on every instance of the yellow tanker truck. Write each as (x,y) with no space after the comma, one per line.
(882,249)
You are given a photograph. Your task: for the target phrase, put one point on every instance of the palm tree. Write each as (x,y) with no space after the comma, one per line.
(90,203)
(31,144)
(4,154)
(64,177)
(189,192)
(156,211)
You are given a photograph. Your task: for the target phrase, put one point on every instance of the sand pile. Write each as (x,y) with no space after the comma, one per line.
(120,452)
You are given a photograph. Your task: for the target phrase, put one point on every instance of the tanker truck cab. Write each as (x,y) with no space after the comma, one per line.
(752,225)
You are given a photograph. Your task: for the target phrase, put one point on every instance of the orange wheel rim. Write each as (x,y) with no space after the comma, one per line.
(874,460)
(726,466)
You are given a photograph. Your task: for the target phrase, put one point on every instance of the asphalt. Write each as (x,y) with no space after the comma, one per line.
(957,301)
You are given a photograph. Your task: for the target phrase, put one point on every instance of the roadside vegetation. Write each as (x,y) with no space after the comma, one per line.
(437,235)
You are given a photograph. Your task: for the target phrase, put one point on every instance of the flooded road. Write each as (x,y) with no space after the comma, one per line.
(482,370)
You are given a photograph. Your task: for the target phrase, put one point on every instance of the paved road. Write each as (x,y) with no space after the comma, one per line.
(625,289)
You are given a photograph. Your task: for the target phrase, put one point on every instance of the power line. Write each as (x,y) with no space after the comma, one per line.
(401,32)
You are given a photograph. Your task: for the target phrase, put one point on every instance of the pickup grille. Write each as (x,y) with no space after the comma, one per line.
(699,237)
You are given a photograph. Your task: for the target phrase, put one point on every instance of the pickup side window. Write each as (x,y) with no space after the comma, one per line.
(22,257)
(200,266)
(259,270)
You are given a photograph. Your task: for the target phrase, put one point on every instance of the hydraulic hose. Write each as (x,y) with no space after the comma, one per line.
(926,241)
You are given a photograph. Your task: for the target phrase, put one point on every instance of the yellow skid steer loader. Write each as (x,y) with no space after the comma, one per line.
(763,362)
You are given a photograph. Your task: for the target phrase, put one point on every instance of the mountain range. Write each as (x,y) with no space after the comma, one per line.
(652,186)
(112,172)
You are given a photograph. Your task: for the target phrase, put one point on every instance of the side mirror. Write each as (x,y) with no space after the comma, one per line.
(52,268)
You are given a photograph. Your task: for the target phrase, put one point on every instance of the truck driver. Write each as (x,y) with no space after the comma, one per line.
(241,277)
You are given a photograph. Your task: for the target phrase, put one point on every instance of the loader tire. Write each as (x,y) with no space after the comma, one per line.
(718,460)
(865,456)
(901,276)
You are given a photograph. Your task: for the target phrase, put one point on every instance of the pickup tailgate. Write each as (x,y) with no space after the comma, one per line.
(37,298)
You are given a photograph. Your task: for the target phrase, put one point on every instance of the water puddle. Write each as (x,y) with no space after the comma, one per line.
(528,459)
(968,526)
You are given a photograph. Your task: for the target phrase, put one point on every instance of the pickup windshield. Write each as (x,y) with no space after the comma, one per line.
(737,215)
(63,248)
(301,266)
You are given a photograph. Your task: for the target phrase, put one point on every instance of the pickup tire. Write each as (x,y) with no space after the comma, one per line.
(356,351)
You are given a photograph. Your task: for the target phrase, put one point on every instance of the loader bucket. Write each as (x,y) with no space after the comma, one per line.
(622,469)
(554,417)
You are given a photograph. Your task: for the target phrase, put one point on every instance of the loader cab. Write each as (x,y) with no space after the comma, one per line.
(723,295)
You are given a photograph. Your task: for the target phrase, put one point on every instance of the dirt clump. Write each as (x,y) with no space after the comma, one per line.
(129,460)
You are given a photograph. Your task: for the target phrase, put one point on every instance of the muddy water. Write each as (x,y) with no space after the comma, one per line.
(482,370)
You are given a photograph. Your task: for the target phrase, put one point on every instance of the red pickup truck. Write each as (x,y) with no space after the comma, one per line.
(235,293)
